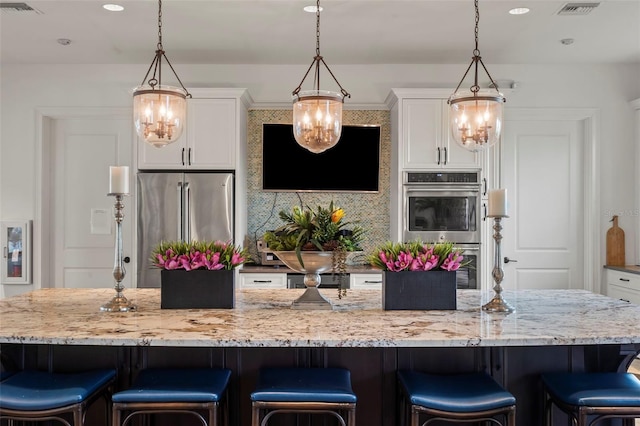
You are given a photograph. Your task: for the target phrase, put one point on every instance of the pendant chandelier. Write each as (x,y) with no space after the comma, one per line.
(476,118)
(159,111)
(317,114)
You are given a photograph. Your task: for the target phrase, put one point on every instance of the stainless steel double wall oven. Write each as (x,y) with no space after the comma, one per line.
(444,206)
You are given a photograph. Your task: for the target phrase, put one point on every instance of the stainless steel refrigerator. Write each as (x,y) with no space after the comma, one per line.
(181,206)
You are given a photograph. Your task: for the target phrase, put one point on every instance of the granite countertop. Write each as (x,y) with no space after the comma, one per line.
(263,318)
(633,269)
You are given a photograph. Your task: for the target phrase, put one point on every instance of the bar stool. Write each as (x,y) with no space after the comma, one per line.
(166,390)
(454,398)
(39,395)
(303,390)
(604,395)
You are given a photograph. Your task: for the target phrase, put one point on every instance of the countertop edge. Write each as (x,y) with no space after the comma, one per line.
(632,269)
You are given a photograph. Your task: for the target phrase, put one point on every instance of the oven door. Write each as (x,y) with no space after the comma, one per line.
(468,275)
(434,214)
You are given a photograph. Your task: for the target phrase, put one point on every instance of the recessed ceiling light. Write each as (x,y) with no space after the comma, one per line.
(519,10)
(311,9)
(113,7)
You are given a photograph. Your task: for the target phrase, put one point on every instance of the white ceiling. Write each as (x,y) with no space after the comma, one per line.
(352,32)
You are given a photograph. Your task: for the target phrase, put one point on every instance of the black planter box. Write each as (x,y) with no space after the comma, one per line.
(199,289)
(419,290)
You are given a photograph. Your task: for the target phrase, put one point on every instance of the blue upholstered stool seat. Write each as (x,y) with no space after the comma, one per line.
(39,390)
(304,385)
(177,385)
(5,375)
(454,393)
(594,389)
(174,390)
(591,397)
(454,398)
(303,390)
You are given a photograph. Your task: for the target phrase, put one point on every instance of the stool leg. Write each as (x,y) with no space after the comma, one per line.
(511,418)
(115,417)
(255,416)
(78,418)
(351,421)
(414,417)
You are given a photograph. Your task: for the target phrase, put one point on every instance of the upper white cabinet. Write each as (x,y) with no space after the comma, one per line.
(423,132)
(211,137)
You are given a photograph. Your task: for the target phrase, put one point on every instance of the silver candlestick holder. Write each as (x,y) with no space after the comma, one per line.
(498,304)
(118,303)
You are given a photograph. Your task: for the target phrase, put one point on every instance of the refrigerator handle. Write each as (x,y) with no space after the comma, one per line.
(179,221)
(187,212)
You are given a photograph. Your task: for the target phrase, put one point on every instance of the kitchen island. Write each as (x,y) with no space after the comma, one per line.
(551,330)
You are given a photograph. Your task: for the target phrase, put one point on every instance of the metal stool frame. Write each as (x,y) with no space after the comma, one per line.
(579,413)
(193,408)
(268,408)
(414,411)
(78,410)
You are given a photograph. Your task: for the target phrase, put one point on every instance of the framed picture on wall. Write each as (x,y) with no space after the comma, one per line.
(16,252)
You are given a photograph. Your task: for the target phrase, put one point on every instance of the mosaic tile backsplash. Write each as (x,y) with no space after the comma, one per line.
(370,210)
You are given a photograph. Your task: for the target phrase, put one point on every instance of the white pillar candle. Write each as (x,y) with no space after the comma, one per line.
(118,180)
(498,202)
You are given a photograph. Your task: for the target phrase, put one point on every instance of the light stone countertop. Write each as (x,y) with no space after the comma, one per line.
(263,318)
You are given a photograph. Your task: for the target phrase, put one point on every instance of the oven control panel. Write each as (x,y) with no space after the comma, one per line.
(442,177)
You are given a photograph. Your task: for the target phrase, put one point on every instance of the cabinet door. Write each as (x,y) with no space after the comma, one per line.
(211,140)
(422,133)
(168,157)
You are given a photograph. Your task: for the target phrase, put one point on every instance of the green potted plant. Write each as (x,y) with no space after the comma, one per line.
(197,274)
(418,275)
(320,229)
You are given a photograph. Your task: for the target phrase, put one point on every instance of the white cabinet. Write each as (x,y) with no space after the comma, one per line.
(425,140)
(210,140)
(263,280)
(371,281)
(623,285)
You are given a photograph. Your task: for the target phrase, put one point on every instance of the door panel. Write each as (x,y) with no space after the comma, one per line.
(159,219)
(83,239)
(542,172)
(210,200)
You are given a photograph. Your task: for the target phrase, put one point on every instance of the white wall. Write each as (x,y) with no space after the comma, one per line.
(24,88)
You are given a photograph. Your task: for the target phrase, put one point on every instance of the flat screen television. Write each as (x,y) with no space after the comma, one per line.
(352,165)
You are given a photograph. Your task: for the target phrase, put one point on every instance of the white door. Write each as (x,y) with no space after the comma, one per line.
(83,225)
(542,169)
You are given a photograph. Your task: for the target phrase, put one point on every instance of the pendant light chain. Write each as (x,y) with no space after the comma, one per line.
(156,64)
(476,118)
(317,27)
(160,25)
(316,61)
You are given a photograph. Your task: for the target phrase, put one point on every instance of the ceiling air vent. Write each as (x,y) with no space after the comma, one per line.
(17,7)
(572,9)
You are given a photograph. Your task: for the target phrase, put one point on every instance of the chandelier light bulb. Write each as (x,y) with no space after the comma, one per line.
(159,114)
